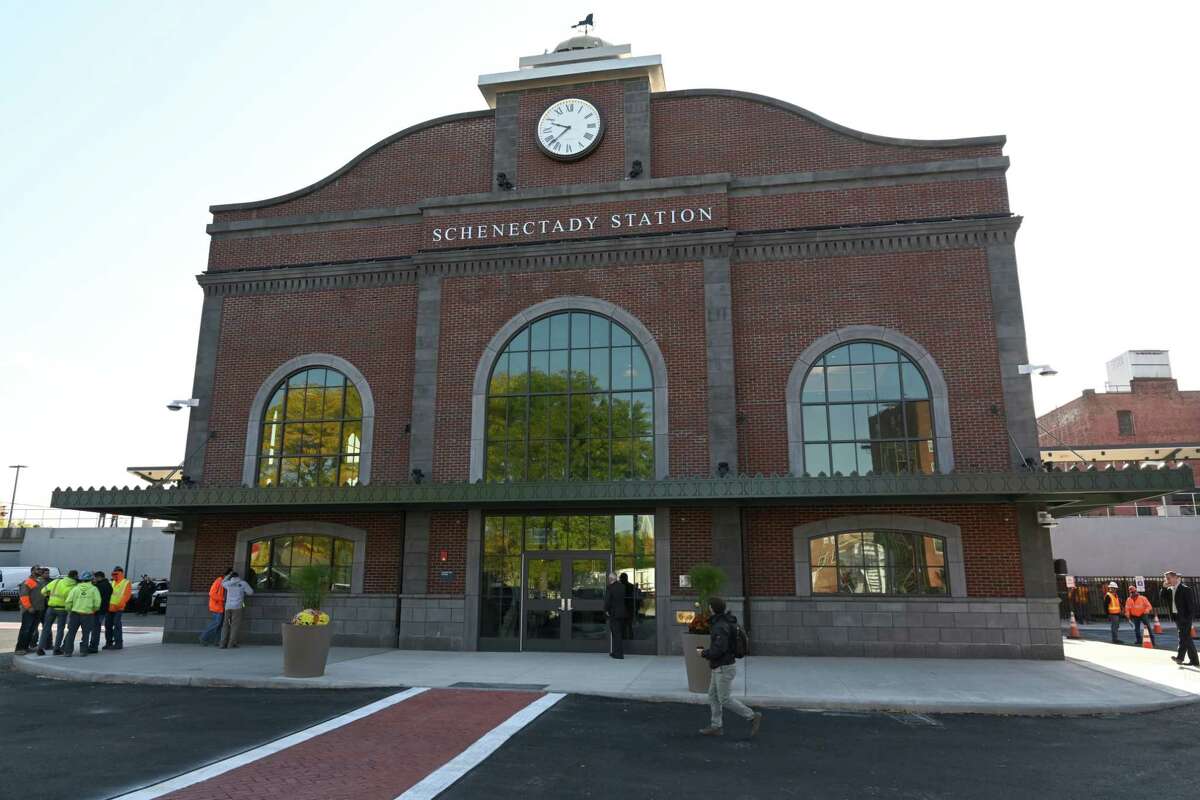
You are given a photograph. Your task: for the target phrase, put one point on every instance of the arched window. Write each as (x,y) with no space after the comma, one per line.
(272,561)
(312,430)
(571,396)
(879,562)
(865,407)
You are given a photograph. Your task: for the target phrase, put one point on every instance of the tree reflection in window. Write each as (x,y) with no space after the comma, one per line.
(866,409)
(878,562)
(271,562)
(311,431)
(571,397)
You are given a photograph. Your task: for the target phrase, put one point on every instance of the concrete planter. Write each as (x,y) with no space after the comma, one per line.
(699,673)
(305,649)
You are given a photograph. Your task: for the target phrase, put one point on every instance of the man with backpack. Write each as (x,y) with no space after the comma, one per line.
(727,644)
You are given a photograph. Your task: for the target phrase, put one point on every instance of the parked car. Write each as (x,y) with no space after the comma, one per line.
(10,585)
(158,601)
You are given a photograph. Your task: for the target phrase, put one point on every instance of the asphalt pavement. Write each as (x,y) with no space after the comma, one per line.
(146,621)
(133,736)
(593,747)
(596,747)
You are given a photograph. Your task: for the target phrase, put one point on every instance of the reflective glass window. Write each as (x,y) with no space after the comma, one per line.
(311,431)
(271,562)
(865,408)
(570,397)
(878,562)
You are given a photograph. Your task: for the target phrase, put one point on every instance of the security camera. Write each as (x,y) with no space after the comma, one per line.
(1040,369)
(175,405)
(1048,372)
(1046,520)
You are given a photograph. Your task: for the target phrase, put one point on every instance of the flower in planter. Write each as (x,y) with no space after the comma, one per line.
(311,616)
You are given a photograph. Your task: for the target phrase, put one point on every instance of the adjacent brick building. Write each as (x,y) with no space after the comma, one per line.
(605,326)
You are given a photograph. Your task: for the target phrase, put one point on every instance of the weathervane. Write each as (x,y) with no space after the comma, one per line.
(585,23)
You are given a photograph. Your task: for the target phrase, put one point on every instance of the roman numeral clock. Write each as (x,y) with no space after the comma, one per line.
(569,129)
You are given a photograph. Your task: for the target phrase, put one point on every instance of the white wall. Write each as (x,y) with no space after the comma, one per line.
(1128,545)
(99,548)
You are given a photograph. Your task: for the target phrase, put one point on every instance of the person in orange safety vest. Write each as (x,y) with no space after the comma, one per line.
(1139,611)
(114,631)
(216,607)
(1112,607)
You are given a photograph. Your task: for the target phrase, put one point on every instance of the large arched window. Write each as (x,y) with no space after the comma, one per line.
(271,561)
(312,429)
(571,396)
(865,407)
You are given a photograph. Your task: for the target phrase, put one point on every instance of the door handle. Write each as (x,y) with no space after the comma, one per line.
(568,604)
(562,604)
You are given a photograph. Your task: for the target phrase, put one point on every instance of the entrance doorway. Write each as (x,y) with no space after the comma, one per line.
(564,601)
(544,575)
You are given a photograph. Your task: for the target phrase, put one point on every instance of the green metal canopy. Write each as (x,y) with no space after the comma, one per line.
(1062,493)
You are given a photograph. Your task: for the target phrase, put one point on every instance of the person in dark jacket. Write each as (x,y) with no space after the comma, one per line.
(102,583)
(145,595)
(721,657)
(1178,598)
(630,604)
(614,610)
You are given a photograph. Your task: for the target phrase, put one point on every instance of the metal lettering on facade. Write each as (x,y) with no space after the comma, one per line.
(550,226)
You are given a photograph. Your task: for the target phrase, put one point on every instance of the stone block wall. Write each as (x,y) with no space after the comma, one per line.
(358,620)
(918,627)
(433,622)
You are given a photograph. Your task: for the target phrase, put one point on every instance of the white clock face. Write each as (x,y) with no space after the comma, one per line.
(569,129)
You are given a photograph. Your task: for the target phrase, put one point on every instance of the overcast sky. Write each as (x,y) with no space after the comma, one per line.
(120,123)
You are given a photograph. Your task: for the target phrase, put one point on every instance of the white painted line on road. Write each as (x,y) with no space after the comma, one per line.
(250,756)
(442,778)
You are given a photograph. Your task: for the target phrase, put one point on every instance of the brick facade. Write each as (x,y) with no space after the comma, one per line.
(358,266)
(1162,414)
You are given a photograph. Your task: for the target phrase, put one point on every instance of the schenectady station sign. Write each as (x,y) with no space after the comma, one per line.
(534,228)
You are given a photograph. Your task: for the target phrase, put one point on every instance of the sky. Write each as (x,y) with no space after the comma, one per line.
(121,122)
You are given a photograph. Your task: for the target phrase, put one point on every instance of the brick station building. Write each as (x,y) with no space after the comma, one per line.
(602,325)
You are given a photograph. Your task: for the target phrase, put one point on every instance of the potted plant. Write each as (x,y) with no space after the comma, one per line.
(307,637)
(707,580)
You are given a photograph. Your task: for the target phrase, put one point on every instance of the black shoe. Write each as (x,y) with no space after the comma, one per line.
(92,650)
(41,652)
(58,652)
(1177,659)
(107,647)
(118,647)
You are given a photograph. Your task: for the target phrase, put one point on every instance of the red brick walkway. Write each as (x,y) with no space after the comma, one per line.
(374,758)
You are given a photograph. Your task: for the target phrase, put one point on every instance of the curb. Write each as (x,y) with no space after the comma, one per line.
(52,671)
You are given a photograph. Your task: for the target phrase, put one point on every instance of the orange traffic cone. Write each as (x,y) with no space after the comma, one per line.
(1157,624)
(1074,631)
(1146,638)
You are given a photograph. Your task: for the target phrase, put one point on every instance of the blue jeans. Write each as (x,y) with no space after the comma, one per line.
(1138,622)
(213,632)
(114,633)
(53,615)
(74,622)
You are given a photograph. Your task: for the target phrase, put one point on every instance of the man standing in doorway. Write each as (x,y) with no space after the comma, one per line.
(721,655)
(1177,597)
(1112,607)
(614,609)
(236,590)
(630,604)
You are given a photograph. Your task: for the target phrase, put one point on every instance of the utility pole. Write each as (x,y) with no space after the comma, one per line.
(128,544)
(12,506)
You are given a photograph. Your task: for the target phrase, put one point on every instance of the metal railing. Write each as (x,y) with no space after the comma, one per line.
(1179,504)
(1090,589)
(42,517)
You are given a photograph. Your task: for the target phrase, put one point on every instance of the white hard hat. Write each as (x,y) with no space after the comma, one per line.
(1112,584)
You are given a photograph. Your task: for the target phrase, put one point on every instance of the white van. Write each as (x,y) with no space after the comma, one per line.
(10,584)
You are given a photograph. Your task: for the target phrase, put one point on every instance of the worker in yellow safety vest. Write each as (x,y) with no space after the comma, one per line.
(122,590)
(1112,607)
(56,592)
(82,604)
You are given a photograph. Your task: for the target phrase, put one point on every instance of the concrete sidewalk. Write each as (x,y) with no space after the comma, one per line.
(1095,678)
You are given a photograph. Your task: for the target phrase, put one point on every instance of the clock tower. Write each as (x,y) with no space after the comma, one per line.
(580,114)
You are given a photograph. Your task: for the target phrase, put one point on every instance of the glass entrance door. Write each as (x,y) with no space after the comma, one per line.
(564,601)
